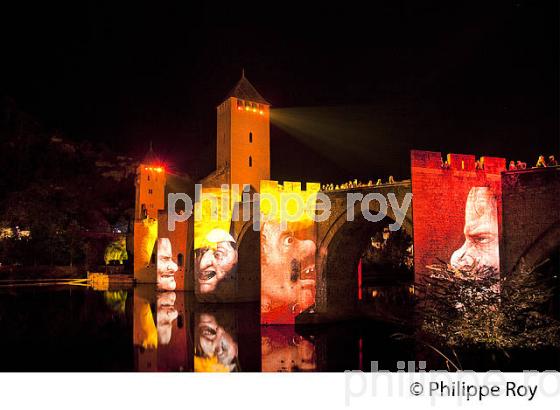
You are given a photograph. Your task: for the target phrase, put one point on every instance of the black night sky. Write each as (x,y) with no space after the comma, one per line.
(479,77)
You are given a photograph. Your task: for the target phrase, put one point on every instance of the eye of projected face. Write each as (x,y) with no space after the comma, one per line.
(288,239)
(481,247)
(481,239)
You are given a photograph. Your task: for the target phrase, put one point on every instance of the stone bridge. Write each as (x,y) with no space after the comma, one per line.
(531,226)
(340,243)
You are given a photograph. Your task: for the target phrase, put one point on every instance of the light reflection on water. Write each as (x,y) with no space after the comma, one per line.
(78,329)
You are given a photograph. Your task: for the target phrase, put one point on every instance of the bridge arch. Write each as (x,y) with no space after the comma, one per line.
(339,252)
(248,251)
(541,249)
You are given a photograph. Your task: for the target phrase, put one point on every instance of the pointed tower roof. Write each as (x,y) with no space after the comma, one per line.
(151,157)
(244,90)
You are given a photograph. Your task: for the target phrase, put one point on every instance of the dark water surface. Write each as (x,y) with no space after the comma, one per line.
(72,328)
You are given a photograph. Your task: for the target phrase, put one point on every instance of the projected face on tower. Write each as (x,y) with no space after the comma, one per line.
(215,255)
(215,261)
(481,247)
(166,267)
(288,270)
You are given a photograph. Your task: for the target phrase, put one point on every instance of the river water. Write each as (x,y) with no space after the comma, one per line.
(73,328)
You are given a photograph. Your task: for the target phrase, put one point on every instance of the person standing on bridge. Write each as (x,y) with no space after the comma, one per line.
(541,162)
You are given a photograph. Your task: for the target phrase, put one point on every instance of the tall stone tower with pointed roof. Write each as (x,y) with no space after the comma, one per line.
(243,138)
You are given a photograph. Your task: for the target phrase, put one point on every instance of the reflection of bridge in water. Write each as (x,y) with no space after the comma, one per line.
(66,328)
(228,337)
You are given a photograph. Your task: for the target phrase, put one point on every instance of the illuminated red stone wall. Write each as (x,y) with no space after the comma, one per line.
(439,202)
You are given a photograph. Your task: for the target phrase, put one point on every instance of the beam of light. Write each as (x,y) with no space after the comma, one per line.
(344,134)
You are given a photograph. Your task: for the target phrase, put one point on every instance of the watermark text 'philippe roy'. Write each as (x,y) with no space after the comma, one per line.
(293,206)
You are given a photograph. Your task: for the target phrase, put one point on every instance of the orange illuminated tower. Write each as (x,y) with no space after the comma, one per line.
(243,136)
(150,198)
(150,187)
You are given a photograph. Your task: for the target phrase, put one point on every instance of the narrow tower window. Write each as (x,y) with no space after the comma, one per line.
(250,161)
(250,137)
(180,260)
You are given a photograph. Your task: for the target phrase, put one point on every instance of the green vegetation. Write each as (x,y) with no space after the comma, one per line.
(63,193)
(482,310)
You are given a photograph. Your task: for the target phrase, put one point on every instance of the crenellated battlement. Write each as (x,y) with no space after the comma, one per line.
(289,186)
(456,162)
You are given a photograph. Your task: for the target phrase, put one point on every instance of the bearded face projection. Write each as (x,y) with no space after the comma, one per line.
(165,266)
(288,270)
(457,212)
(481,247)
(288,249)
(216,261)
(215,249)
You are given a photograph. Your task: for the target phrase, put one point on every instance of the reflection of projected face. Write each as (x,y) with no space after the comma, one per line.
(481,247)
(288,269)
(213,341)
(166,314)
(213,265)
(297,354)
(166,268)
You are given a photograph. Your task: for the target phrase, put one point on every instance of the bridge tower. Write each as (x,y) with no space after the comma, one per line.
(150,187)
(243,136)
(150,198)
